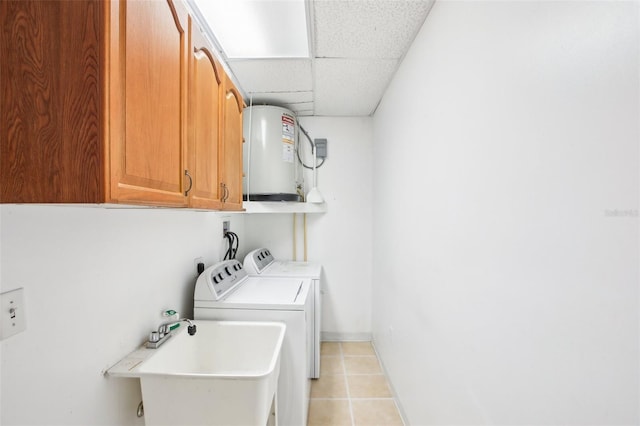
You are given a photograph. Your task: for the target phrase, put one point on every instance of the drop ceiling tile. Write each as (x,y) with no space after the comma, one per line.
(273,75)
(367,28)
(351,87)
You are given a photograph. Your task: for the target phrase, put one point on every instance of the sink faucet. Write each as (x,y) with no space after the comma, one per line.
(157,338)
(167,326)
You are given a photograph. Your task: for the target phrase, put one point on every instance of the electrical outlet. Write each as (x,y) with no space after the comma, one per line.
(195,264)
(12,313)
(226,227)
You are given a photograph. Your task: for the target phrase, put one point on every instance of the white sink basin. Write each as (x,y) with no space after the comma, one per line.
(226,374)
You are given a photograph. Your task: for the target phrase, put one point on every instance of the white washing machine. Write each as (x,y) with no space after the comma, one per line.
(225,291)
(260,263)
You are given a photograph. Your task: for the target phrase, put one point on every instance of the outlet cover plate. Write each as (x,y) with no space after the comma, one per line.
(12,313)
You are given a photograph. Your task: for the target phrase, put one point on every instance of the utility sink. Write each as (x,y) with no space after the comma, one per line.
(225,374)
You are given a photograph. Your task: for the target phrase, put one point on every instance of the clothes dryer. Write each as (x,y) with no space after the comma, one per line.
(261,263)
(224,291)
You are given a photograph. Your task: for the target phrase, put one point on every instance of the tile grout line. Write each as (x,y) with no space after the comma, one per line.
(342,356)
(391,389)
(346,383)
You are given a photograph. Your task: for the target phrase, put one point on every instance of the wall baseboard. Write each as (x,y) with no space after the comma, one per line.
(331,336)
(392,388)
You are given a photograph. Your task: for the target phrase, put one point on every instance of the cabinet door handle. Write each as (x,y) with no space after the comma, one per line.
(186,173)
(225,192)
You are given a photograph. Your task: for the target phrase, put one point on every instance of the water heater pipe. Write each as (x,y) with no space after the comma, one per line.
(295,237)
(304,221)
(314,196)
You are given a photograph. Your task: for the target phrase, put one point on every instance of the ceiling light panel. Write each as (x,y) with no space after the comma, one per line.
(258,28)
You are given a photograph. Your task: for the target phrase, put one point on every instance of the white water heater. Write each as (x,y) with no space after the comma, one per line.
(269,154)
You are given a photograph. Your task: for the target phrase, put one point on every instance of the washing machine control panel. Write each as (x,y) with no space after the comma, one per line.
(259,259)
(220,279)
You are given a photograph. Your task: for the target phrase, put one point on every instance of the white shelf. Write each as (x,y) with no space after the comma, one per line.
(283,207)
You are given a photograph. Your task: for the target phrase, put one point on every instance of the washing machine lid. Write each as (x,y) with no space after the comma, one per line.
(293,269)
(271,291)
(282,294)
(227,285)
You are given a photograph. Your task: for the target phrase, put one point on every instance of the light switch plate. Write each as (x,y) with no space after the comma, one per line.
(12,313)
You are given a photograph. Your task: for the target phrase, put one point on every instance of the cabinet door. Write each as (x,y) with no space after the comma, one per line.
(148,101)
(232,146)
(205,97)
(51,116)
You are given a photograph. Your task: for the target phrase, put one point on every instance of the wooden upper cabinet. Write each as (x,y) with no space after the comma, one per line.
(231,180)
(205,97)
(115,101)
(148,101)
(51,120)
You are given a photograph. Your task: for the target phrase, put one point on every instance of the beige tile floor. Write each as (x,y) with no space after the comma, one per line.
(352,389)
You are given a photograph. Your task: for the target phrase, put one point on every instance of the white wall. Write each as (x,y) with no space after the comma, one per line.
(95,282)
(506,264)
(340,239)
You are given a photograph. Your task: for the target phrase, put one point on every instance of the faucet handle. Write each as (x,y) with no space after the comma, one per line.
(171,313)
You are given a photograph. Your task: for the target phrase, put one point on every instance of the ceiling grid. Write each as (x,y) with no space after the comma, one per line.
(356,47)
